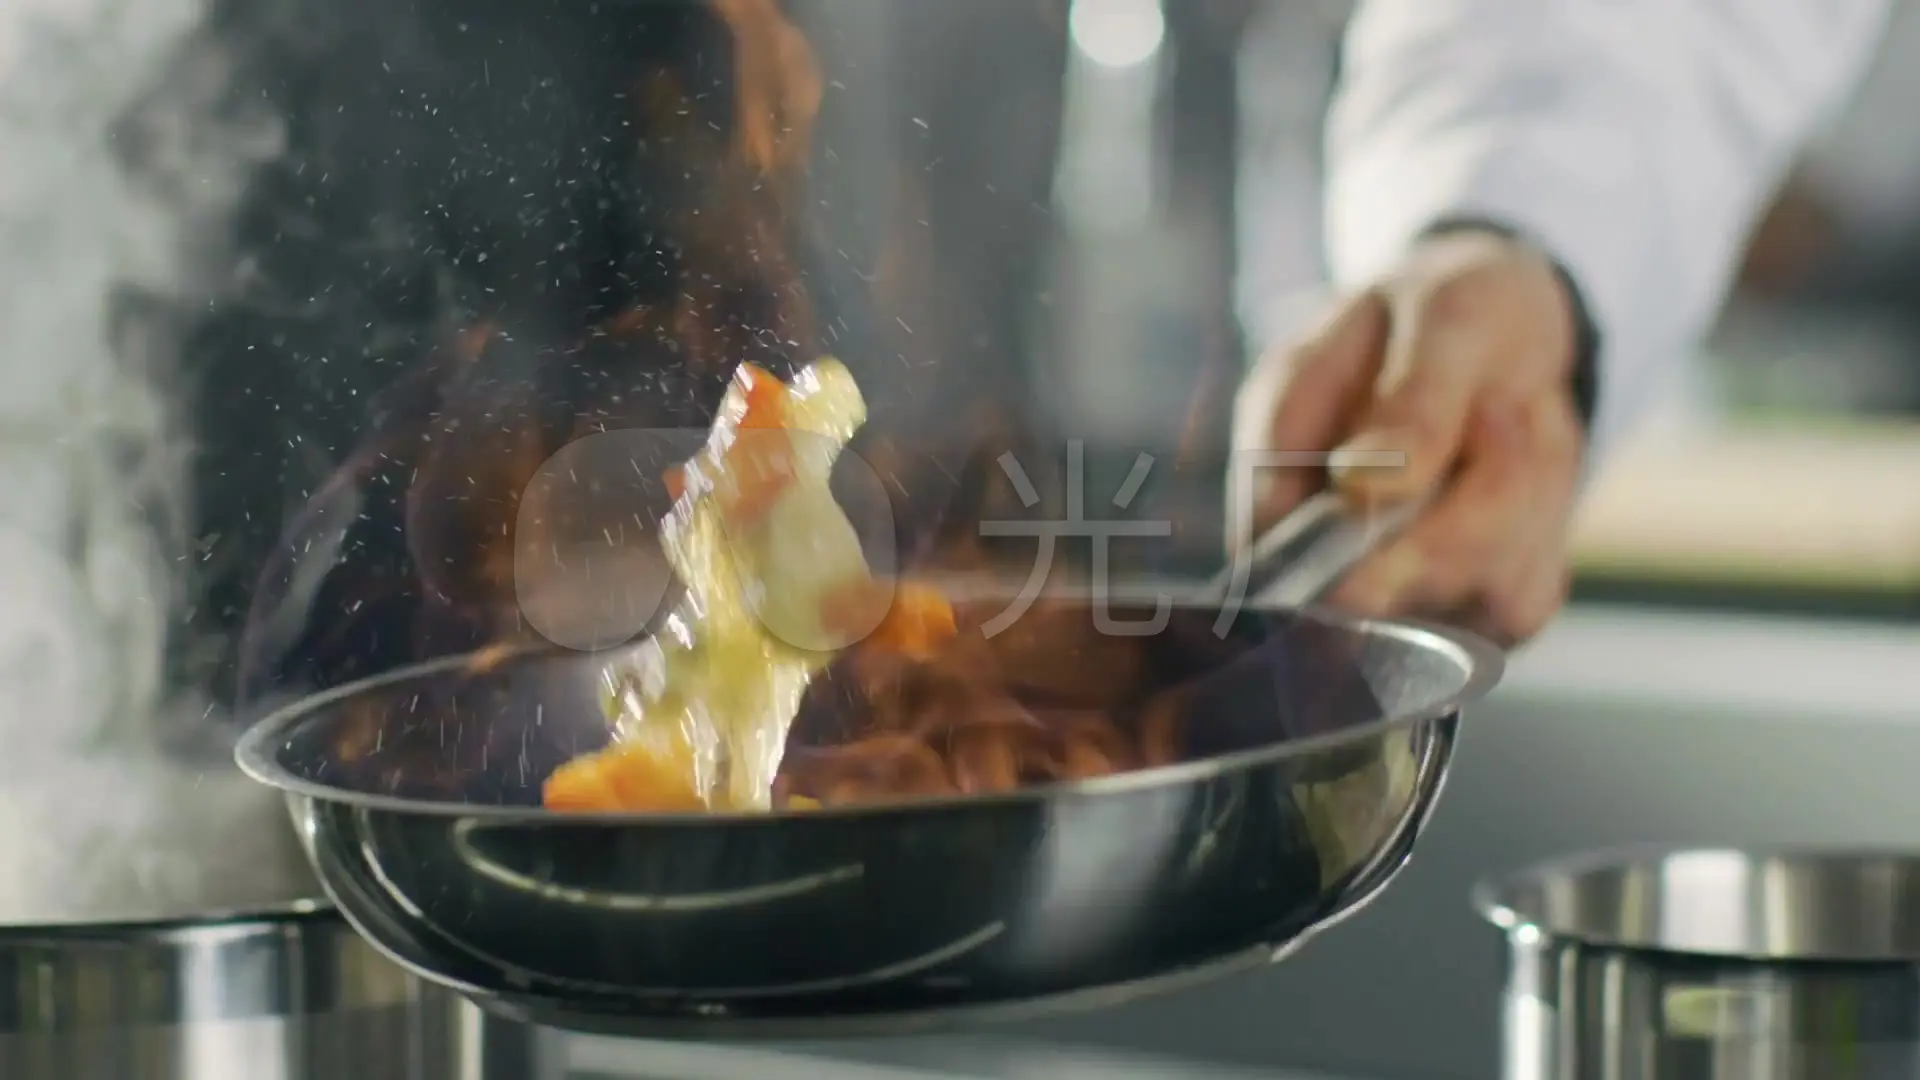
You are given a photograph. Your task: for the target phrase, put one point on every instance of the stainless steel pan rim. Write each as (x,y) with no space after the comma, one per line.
(213,926)
(1482,662)
(1508,902)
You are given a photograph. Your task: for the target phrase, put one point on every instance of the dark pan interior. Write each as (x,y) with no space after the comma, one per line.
(488,733)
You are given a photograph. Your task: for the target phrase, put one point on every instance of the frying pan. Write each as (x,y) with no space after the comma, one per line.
(1314,749)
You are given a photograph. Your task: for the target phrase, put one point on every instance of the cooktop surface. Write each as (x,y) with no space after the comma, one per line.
(926,1058)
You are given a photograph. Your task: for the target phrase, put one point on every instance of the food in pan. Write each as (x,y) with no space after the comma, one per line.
(924,700)
(776,585)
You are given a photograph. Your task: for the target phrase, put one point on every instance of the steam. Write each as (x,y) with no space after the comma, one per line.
(97,821)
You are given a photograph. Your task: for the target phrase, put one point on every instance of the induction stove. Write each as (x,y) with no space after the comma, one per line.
(924,1058)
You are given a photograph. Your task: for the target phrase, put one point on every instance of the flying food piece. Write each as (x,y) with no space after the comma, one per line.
(776,585)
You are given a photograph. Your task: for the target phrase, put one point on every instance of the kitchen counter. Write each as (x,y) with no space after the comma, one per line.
(923,1058)
(1835,508)
(440,1037)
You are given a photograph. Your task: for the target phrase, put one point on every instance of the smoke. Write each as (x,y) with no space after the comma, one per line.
(98,815)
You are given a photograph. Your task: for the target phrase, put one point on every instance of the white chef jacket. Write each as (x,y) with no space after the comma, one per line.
(1636,140)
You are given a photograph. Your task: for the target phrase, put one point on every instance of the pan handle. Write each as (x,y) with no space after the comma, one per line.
(1305,554)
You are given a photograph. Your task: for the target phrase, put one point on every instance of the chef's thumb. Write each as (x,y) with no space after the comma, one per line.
(1410,434)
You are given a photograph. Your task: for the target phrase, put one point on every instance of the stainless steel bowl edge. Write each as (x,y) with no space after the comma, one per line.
(1666,963)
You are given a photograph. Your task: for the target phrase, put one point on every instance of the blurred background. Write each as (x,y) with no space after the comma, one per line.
(1782,477)
(1738,667)
(1123,202)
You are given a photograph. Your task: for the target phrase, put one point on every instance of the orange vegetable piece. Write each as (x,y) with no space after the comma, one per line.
(760,461)
(766,398)
(759,468)
(904,616)
(920,621)
(648,780)
(624,778)
(580,786)
(766,411)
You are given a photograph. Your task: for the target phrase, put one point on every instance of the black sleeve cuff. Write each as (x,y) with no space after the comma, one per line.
(1586,332)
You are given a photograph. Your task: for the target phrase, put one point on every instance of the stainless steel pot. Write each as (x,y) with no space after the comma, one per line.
(199,946)
(249,977)
(1661,964)
(284,995)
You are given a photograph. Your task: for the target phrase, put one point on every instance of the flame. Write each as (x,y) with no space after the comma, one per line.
(776,82)
(1045,700)
(450,502)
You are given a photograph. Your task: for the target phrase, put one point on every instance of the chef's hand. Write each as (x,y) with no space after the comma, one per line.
(1461,358)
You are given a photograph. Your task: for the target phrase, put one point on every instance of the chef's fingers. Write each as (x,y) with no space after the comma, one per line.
(1301,398)
(1435,360)
(1522,604)
(1519,600)
(1491,553)
(1544,438)
(1442,560)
